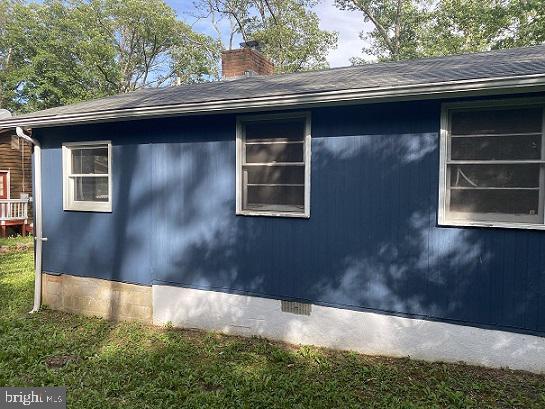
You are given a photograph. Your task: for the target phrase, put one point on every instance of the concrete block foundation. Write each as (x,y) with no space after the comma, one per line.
(95,297)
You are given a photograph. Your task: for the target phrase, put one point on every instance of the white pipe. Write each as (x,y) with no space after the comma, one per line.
(38,233)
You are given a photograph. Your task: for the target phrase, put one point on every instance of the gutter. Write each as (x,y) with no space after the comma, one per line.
(38,233)
(449,89)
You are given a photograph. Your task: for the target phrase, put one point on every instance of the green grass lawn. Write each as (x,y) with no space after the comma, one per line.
(106,365)
(16,241)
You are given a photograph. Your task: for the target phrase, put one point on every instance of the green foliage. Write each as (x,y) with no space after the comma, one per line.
(40,65)
(404,29)
(151,46)
(64,51)
(397,26)
(461,26)
(526,23)
(287,30)
(291,37)
(129,365)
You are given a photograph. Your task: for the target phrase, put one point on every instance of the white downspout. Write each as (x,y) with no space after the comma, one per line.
(38,233)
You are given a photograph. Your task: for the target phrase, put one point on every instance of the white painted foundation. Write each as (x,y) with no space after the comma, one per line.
(365,332)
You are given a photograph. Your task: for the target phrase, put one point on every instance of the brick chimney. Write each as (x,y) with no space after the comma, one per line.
(245,62)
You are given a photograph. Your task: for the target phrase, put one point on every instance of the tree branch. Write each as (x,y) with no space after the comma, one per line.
(107,78)
(382,31)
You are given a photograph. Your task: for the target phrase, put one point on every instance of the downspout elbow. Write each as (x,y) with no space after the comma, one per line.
(21,134)
(38,233)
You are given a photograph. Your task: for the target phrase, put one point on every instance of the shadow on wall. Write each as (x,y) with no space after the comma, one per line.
(105,245)
(371,242)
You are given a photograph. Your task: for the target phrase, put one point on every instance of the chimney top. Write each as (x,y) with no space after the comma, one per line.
(254,45)
(246,61)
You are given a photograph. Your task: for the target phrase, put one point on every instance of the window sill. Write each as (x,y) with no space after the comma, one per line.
(98,207)
(273,214)
(501,225)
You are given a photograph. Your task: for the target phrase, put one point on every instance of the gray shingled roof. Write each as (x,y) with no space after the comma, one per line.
(513,63)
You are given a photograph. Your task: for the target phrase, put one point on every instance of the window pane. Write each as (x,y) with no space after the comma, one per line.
(276,198)
(91,189)
(496,147)
(495,175)
(274,152)
(275,174)
(497,121)
(279,187)
(277,130)
(514,202)
(90,160)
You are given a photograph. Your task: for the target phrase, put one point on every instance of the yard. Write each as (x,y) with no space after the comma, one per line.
(126,365)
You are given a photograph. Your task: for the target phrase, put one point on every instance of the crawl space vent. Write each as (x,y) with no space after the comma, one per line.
(298,308)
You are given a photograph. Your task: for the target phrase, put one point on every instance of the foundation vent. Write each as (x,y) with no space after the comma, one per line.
(298,308)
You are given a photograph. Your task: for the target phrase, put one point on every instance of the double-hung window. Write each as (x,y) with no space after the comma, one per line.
(273,165)
(492,164)
(87,174)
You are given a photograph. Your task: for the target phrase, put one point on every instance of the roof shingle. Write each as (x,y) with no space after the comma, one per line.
(494,64)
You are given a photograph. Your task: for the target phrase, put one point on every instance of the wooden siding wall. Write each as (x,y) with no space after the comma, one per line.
(17,158)
(372,241)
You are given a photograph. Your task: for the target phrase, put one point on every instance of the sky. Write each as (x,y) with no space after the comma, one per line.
(348,24)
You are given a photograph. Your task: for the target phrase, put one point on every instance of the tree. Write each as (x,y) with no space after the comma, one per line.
(287,30)
(403,29)
(397,26)
(151,46)
(65,51)
(38,63)
(6,53)
(461,26)
(526,24)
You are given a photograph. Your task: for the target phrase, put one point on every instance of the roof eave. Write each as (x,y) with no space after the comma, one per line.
(480,87)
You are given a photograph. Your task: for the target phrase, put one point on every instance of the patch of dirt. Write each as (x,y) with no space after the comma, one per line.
(211,388)
(55,362)
(15,248)
(22,247)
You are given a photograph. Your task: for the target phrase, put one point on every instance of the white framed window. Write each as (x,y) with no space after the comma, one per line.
(492,164)
(273,165)
(87,176)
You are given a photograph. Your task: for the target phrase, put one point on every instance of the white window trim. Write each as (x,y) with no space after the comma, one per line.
(446,108)
(241,121)
(8,182)
(84,206)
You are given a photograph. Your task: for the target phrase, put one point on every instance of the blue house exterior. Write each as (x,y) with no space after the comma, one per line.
(372,254)
(372,241)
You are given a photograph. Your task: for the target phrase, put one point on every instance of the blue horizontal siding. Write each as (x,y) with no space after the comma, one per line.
(372,241)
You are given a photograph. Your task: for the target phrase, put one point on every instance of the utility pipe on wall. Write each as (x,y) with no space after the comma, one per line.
(38,233)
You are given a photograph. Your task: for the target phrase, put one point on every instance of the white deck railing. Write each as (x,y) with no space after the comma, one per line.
(13,209)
